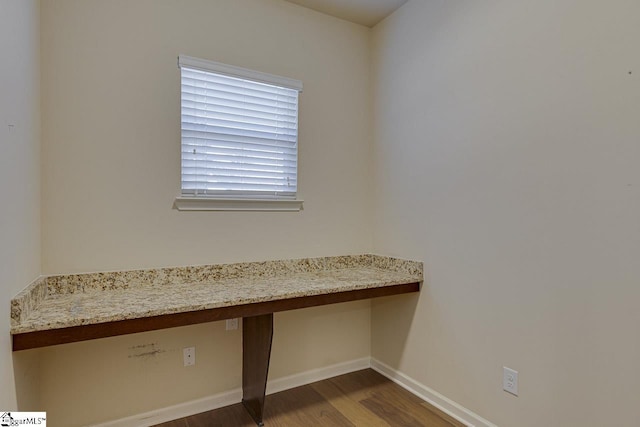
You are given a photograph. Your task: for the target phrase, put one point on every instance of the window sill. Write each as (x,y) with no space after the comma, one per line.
(185,203)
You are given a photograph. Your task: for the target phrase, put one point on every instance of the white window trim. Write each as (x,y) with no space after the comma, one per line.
(186,202)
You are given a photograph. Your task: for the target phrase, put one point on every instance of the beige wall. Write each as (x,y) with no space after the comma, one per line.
(20,179)
(111,170)
(111,126)
(506,157)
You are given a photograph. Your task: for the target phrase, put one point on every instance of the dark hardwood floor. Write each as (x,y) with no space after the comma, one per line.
(363,398)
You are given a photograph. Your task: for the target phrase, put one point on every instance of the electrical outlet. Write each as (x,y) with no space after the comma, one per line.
(510,380)
(189,355)
(232,324)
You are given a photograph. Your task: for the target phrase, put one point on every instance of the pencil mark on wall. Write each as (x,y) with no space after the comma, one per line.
(145,351)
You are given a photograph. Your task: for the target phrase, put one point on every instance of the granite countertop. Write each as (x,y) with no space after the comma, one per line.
(84,299)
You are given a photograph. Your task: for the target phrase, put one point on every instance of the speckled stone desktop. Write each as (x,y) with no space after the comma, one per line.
(83,299)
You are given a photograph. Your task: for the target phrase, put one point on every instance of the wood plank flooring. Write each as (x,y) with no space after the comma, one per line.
(362,398)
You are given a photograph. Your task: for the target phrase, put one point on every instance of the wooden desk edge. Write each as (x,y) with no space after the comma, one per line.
(36,339)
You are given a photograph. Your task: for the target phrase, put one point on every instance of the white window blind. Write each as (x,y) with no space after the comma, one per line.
(239,132)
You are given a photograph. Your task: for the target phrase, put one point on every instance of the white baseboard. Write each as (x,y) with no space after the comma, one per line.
(308,377)
(231,397)
(174,412)
(431,396)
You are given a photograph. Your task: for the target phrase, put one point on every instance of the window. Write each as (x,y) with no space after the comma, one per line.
(239,138)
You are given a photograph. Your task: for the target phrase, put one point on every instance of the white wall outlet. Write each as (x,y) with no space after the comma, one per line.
(232,324)
(510,380)
(189,355)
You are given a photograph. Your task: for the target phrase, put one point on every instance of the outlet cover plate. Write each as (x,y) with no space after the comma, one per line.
(189,356)
(232,324)
(510,380)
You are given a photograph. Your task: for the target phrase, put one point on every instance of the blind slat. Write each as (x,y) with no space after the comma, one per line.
(209,110)
(241,107)
(204,136)
(227,93)
(252,174)
(212,123)
(197,144)
(230,164)
(203,85)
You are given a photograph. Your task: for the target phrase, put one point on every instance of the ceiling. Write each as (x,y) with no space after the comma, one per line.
(365,12)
